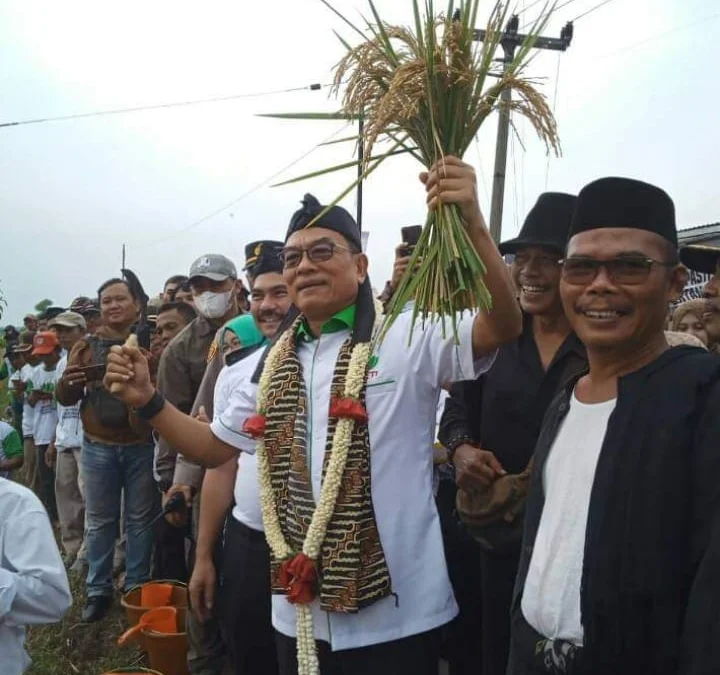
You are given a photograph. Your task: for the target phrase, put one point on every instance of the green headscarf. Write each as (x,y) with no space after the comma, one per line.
(246,329)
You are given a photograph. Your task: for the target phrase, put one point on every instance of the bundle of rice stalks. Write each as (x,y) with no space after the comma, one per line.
(426,90)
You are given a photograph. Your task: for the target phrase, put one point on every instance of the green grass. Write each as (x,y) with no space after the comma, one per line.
(72,648)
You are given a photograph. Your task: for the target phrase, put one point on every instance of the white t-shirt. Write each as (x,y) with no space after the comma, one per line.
(46,417)
(69,432)
(551,597)
(247,489)
(404,384)
(28,419)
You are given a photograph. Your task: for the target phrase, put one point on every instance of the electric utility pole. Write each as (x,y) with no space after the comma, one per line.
(510,41)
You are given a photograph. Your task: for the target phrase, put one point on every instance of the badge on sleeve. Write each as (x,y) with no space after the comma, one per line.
(212,352)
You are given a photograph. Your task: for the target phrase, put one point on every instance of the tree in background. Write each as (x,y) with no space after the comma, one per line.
(43,305)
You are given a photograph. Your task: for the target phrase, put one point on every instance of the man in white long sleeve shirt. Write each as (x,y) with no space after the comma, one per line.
(33,583)
(65,453)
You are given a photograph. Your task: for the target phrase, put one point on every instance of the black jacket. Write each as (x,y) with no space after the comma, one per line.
(503,409)
(650,592)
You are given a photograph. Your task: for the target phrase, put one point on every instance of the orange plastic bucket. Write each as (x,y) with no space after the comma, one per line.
(157,619)
(133,601)
(156,595)
(167,650)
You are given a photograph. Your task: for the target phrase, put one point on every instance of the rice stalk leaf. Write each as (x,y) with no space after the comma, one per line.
(345,19)
(339,115)
(382,33)
(338,167)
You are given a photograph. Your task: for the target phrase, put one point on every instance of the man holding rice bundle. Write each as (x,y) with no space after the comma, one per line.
(343,428)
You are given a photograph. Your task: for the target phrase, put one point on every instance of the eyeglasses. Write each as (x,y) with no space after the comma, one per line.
(320,251)
(627,271)
(546,262)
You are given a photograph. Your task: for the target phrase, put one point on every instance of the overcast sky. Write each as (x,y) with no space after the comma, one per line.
(637,96)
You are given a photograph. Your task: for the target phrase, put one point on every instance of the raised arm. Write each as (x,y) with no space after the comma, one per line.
(128,378)
(451,181)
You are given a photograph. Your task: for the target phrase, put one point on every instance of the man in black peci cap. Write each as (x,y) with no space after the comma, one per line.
(490,427)
(343,429)
(618,572)
(229,495)
(257,251)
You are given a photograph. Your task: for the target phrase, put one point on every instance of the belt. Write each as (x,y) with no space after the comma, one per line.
(543,655)
(241,530)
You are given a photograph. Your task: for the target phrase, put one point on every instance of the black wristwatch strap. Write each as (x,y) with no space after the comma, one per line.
(455,442)
(152,407)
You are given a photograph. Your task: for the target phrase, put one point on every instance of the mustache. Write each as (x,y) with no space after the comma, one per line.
(270,315)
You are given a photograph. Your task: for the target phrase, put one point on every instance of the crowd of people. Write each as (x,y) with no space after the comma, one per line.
(539,493)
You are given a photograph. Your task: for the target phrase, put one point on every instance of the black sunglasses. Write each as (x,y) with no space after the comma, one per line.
(627,270)
(318,252)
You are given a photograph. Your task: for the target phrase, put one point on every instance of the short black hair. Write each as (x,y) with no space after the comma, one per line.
(113,282)
(185,310)
(178,279)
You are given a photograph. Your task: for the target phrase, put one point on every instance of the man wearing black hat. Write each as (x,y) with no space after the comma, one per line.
(89,310)
(618,572)
(343,429)
(490,427)
(244,596)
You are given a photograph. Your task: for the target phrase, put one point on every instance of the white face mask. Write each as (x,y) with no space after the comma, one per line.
(213,305)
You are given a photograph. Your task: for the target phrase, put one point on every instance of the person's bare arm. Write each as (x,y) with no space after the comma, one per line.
(216,497)
(128,378)
(12,463)
(451,181)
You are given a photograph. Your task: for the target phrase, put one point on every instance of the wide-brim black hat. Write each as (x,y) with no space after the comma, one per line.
(547,224)
(700,258)
(625,203)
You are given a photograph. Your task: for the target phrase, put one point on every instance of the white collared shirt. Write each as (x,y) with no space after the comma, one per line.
(403,387)
(246,492)
(33,584)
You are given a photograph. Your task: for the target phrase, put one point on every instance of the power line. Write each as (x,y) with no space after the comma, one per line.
(590,11)
(530,6)
(686,26)
(245,194)
(554,10)
(157,106)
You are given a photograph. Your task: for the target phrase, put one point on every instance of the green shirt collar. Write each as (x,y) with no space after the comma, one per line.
(342,320)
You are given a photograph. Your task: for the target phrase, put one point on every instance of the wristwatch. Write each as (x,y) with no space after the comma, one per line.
(152,407)
(455,442)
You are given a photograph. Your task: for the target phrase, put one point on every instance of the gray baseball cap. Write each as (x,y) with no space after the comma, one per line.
(68,320)
(213,266)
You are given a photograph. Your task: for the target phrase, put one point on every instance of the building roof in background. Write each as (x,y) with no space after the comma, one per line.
(699,233)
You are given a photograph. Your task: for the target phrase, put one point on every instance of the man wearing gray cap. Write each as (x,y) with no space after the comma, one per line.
(65,452)
(216,293)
